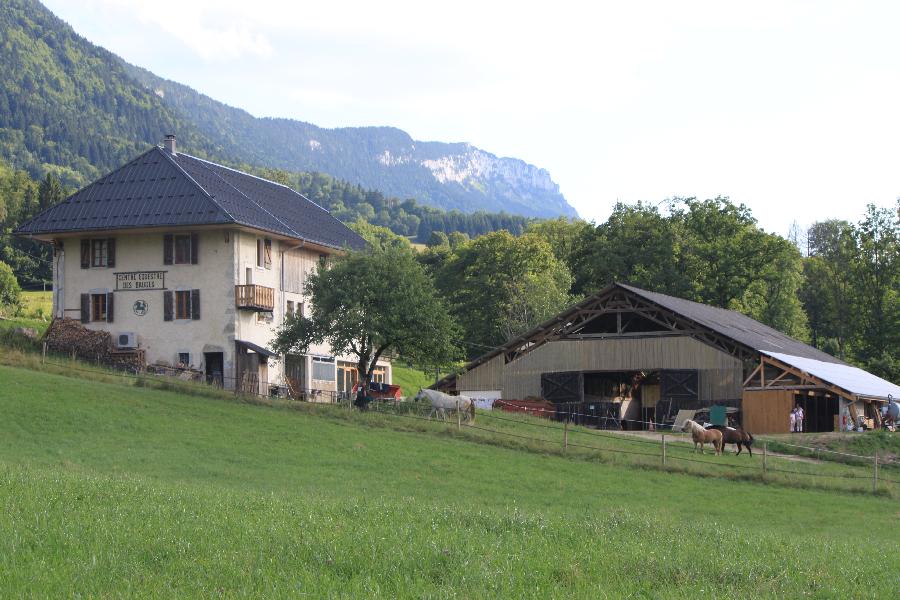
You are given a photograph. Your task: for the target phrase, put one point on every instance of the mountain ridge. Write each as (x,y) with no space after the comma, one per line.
(448,175)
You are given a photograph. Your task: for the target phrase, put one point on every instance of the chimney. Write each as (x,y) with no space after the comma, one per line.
(169,143)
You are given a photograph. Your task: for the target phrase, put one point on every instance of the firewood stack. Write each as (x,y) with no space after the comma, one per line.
(68,336)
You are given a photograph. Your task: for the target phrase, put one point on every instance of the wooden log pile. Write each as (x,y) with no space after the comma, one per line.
(69,337)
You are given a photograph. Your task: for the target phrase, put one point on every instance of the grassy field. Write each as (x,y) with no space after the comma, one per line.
(110,490)
(38,305)
(410,380)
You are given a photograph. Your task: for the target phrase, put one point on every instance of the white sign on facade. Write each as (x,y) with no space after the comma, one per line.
(140,280)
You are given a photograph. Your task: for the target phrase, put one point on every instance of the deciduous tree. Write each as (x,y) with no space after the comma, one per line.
(372,303)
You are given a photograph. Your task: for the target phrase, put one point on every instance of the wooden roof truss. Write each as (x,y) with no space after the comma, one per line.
(623,304)
(773,374)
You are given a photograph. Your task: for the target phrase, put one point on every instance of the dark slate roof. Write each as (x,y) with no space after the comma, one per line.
(734,325)
(158,189)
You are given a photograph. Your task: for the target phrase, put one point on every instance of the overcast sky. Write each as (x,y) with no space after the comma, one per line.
(789,107)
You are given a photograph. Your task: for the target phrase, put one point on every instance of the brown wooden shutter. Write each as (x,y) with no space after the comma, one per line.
(268,246)
(168,248)
(85,308)
(168,305)
(85,254)
(195,304)
(109,307)
(195,248)
(111,252)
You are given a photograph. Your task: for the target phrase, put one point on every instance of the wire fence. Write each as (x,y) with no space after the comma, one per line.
(664,450)
(588,439)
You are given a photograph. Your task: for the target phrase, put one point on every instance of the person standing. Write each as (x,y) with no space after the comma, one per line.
(793,418)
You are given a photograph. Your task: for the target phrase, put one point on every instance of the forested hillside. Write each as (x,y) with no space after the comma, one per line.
(75,109)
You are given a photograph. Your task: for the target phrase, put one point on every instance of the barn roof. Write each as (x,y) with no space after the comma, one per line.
(163,189)
(741,329)
(734,325)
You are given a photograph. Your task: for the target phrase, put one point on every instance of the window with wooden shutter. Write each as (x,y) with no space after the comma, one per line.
(168,305)
(195,248)
(168,248)
(195,304)
(109,307)
(85,254)
(268,253)
(111,252)
(85,307)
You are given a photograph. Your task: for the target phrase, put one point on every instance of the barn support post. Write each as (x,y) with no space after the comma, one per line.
(663,448)
(875,474)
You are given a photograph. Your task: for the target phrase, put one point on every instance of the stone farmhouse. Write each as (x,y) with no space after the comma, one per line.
(194,265)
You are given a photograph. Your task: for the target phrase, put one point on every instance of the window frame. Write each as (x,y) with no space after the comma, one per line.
(186,259)
(264,253)
(98,316)
(324,360)
(99,260)
(180,303)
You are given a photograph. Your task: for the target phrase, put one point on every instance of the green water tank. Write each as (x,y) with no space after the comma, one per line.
(717,415)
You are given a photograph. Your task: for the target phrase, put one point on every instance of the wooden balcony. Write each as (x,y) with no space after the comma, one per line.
(254,297)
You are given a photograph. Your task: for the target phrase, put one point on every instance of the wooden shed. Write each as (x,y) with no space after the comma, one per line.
(638,356)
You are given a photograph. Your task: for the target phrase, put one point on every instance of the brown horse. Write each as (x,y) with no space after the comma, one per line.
(736,436)
(702,436)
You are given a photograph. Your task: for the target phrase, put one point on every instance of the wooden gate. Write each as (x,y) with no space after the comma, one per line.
(563,387)
(678,389)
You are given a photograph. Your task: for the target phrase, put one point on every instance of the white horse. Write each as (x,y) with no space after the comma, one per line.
(443,404)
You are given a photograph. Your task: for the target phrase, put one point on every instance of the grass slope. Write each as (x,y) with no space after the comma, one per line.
(410,380)
(108,489)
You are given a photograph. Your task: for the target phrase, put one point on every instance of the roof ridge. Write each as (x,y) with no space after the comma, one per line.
(241,192)
(194,182)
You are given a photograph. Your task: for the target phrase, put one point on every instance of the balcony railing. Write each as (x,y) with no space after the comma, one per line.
(254,297)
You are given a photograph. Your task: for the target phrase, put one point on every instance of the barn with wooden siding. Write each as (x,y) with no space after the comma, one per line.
(628,356)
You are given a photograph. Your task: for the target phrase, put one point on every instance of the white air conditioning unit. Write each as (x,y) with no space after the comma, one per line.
(126,340)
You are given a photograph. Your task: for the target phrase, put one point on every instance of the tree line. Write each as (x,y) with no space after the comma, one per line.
(837,286)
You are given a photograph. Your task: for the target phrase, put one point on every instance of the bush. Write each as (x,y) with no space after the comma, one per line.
(10,292)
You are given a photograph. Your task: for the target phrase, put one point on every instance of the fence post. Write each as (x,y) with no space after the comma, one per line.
(765,456)
(44,353)
(664,449)
(875,474)
(458,417)
(566,435)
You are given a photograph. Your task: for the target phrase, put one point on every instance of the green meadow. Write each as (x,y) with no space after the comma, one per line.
(111,489)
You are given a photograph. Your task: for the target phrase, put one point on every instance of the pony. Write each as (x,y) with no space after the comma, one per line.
(736,436)
(443,404)
(701,436)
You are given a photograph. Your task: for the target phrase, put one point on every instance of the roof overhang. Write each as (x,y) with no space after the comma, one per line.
(50,236)
(256,348)
(846,381)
